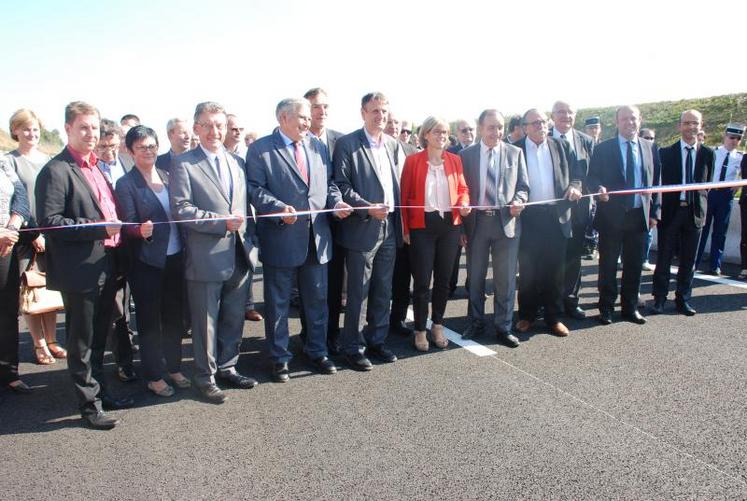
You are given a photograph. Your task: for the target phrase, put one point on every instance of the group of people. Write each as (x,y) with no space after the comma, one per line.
(331,215)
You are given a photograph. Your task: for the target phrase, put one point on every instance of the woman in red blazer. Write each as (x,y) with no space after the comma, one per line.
(432,185)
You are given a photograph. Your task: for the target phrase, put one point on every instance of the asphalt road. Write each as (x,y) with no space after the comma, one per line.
(623,411)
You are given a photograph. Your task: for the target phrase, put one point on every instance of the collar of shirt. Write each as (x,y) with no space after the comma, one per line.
(568,135)
(288,141)
(81,159)
(622,141)
(534,148)
(372,141)
(684,145)
(485,148)
(212,156)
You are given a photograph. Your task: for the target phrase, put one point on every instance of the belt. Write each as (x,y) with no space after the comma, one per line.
(683,203)
(491,212)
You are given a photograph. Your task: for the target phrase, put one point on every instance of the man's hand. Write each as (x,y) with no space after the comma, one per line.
(464,211)
(39,244)
(146,229)
(572,194)
(8,238)
(234,223)
(342,210)
(516,208)
(289,219)
(652,223)
(113,227)
(603,196)
(379,211)
(463,240)
(406,238)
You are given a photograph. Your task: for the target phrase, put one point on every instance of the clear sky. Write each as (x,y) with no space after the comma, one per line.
(157,59)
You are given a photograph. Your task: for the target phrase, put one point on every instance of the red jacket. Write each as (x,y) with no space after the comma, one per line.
(412,187)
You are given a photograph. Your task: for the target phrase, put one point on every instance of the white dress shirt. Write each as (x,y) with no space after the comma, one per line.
(693,153)
(384,168)
(732,168)
(437,190)
(540,172)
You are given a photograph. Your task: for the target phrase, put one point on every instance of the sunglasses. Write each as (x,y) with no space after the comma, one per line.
(406,131)
(466,130)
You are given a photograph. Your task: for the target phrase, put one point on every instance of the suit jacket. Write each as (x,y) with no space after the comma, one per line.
(743,170)
(196,193)
(584,148)
(513,184)
(75,257)
(275,183)
(332,137)
(607,169)
(564,174)
(164,161)
(138,204)
(413,188)
(671,173)
(358,180)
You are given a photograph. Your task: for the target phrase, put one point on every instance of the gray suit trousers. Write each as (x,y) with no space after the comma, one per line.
(489,240)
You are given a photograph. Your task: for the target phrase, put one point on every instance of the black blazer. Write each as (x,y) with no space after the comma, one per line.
(671,173)
(584,148)
(140,204)
(743,170)
(164,161)
(76,260)
(564,174)
(606,169)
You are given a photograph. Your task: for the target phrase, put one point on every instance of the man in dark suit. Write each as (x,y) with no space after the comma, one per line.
(682,213)
(743,214)
(465,133)
(581,146)
(209,183)
(289,171)
(546,227)
(623,162)
(82,261)
(493,231)
(366,173)
(177,130)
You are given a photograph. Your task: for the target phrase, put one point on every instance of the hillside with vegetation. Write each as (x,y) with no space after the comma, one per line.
(51,142)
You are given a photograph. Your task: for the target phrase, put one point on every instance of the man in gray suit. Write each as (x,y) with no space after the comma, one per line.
(496,175)
(289,171)
(366,172)
(209,183)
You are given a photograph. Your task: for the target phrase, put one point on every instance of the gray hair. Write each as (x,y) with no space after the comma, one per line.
(173,122)
(208,107)
(290,104)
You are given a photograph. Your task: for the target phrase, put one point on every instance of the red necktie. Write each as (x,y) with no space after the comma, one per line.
(301,161)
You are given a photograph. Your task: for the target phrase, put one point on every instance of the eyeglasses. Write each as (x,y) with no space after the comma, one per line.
(650,138)
(439,132)
(207,125)
(107,147)
(537,123)
(148,147)
(467,129)
(406,131)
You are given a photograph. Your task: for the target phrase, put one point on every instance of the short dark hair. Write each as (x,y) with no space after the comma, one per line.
(373,96)
(109,128)
(489,111)
(513,122)
(130,116)
(137,133)
(312,93)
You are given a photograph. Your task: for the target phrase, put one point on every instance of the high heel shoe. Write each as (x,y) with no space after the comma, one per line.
(421,341)
(56,350)
(43,357)
(437,336)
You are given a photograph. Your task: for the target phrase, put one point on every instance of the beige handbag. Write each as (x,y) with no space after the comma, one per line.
(35,297)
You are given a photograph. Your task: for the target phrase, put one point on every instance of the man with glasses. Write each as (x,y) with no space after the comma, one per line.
(405,131)
(682,213)
(727,161)
(465,133)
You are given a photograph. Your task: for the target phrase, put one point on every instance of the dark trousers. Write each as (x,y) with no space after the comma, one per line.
(630,240)
(103,323)
(453,281)
(573,252)
(120,335)
(541,258)
(335,277)
(401,285)
(159,298)
(682,234)
(717,217)
(743,241)
(432,251)
(9,284)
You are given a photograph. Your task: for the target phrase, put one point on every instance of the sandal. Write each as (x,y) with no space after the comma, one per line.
(437,336)
(56,350)
(43,357)
(420,341)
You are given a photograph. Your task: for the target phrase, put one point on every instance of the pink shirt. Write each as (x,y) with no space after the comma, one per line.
(100,188)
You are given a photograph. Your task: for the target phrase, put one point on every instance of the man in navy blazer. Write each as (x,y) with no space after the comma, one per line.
(177,130)
(289,171)
(366,171)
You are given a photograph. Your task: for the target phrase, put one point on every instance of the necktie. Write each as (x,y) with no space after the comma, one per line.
(630,173)
(689,172)
(223,175)
(724,166)
(562,136)
(492,178)
(301,161)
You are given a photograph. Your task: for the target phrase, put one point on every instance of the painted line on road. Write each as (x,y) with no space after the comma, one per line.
(713,278)
(456,338)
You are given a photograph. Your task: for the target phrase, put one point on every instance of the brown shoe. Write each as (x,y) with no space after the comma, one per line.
(523,326)
(559,329)
(421,341)
(253,315)
(437,336)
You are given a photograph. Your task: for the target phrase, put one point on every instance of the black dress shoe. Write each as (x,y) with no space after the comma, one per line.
(100,421)
(238,381)
(400,328)
(280,372)
(472,331)
(382,353)
(634,316)
(605,316)
(508,339)
(113,404)
(324,365)
(685,308)
(658,307)
(575,313)
(359,362)
(212,393)
(126,374)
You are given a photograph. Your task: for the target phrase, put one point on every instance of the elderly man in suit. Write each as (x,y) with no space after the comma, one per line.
(209,184)
(290,171)
(546,227)
(581,147)
(465,133)
(82,261)
(496,175)
(623,162)
(365,164)
(682,213)
(177,130)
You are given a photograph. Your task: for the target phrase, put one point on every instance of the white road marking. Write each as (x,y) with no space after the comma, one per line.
(456,338)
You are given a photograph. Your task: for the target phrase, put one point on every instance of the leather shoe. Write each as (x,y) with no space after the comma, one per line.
(400,328)
(658,307)
(19,387)
(280,372)
(576,313)
(508,339)
(100,421)
(382,353)
(212,393)
(634,316)
(238,381)
(112,404)
(559,329)
(253,315)
(605,316)
(523,326)
(359,362)
(472,331)
(685,308)
(324,365)
(126,374)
